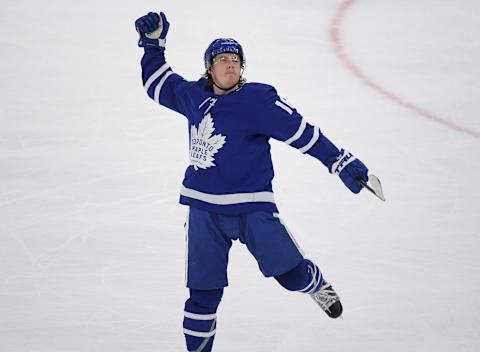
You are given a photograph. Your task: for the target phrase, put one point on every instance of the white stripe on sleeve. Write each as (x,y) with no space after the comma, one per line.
(316,135)
(284,107)
(156,95)
(297,134)
(155,75)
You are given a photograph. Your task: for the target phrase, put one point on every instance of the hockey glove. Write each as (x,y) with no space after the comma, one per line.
(152,29)
(350,169)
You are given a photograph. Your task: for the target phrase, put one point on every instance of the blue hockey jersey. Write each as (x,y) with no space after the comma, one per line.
(230,167)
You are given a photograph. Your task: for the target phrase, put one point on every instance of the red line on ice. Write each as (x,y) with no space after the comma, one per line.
(339,50)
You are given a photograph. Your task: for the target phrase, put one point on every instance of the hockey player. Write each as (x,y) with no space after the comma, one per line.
(227,185)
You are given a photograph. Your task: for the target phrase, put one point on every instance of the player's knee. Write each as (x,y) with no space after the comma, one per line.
(305,277)
(204,300)
(294,279)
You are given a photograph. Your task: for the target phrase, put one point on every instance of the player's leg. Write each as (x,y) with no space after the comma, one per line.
(307,278)
(206,274)
(279,255)
(200,319)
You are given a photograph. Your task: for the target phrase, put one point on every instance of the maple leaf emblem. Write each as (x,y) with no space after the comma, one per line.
(203,144)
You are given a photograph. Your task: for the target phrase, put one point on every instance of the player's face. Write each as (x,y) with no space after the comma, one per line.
(226,69)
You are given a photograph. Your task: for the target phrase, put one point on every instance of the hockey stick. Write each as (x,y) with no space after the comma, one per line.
(373,186)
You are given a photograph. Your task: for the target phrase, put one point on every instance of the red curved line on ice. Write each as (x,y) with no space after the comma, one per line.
(339,50)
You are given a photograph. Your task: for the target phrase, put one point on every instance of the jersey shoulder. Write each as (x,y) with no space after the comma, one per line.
(196,88)
(260,92)
(259,88)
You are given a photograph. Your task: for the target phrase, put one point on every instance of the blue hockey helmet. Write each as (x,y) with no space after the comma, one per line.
(223,45)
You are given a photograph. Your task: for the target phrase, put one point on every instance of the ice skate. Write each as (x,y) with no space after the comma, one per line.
(328,300)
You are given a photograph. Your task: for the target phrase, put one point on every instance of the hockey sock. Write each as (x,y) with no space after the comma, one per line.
(305,277)
(200,319)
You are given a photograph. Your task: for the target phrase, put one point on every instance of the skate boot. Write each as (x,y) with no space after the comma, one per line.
(328,300)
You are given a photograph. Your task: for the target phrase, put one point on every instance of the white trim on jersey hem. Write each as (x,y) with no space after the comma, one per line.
(196,316)
(228,199)
(299,132)
(155,75)
(199,333)
(316,135)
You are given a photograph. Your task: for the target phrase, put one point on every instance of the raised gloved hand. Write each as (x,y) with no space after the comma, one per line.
(153,29)
(350,169)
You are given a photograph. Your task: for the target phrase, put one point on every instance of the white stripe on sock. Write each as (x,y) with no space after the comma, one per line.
(196,316)
(199,333)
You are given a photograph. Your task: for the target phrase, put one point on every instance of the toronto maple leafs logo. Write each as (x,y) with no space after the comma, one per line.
(203,144)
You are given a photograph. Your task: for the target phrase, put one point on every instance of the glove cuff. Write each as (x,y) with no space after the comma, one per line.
(144,42)
(343,160)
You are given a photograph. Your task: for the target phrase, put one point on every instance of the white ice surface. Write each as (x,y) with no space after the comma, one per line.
(91,235)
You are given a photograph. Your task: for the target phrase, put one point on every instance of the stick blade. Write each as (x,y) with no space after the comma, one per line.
(376,186)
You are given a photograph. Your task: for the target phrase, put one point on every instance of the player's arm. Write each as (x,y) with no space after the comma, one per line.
(162,85)
(280,120)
